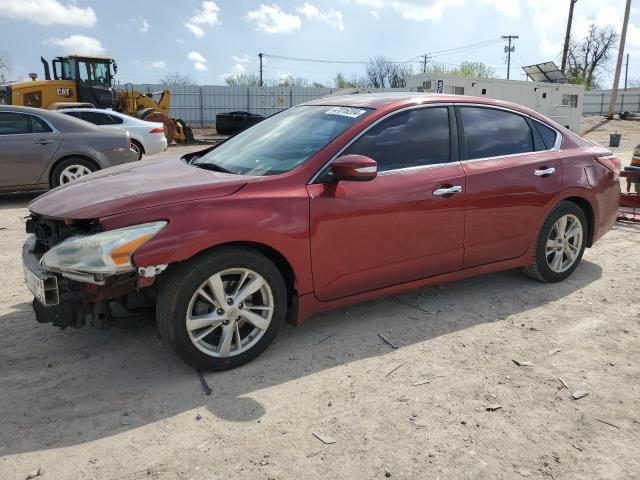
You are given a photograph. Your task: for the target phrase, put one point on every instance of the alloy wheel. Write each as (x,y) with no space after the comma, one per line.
(564,243)
(73,172)
(229,312)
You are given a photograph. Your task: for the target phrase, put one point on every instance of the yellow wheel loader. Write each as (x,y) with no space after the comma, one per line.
(88,81)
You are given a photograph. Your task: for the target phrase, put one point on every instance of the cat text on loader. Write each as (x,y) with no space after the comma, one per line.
(88,81)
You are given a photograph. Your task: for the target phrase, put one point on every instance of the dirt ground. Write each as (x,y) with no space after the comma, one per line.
(449,403)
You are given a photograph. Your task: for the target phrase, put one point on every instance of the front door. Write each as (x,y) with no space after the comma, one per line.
(402,225)
(27,144)
(513,173)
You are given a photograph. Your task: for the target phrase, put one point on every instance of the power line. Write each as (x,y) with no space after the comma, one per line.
(486,43)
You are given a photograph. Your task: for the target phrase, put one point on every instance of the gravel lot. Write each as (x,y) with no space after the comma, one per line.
(117,404)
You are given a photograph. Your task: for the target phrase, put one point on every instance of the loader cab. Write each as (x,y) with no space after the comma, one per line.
(93,77)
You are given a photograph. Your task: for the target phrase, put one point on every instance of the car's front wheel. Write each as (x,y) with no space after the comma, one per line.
(560,245)
(222,309)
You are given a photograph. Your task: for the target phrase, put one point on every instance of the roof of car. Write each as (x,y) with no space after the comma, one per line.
(64,123)
(385,99)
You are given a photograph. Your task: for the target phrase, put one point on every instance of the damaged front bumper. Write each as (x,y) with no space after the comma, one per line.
(72,299)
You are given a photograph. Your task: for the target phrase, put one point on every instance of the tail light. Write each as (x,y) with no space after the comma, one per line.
(157,130)
(610,162)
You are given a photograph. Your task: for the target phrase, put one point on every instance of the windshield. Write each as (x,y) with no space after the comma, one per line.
(283,141)
(94,73)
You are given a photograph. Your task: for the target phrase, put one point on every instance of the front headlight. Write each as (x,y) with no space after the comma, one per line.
(106,253)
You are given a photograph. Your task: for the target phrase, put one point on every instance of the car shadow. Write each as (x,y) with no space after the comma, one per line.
(10,201)
(101,383)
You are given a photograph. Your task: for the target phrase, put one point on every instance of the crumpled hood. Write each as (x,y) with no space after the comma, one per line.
(134,186)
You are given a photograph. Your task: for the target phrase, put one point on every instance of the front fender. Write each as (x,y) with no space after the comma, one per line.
(279,223)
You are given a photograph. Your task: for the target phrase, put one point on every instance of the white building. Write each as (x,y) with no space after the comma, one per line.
(561,102)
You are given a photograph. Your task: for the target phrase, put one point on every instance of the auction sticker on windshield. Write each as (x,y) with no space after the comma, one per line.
(346,111)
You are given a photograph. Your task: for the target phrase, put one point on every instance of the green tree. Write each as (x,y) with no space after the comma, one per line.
(340,81)
(465,69)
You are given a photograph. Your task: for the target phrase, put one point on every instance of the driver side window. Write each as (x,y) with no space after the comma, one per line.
(411,138)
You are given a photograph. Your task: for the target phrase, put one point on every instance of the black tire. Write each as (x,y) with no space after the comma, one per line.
(180,284)
(69,163)
(539,268)
(137,147)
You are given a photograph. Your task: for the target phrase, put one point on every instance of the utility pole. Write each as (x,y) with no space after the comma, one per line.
(626,72)
(425,58)
(567,37)
(508,51)
(260,57)
(616,78)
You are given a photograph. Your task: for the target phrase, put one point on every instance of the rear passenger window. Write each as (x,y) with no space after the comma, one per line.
(14,123)
(547,134)
(116,120)
(490,132)
(97,118)
(39,125)
(407,139)
(74,114)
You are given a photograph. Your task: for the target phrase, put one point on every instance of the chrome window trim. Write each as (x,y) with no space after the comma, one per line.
(556,146)
(51,126)
(354,139)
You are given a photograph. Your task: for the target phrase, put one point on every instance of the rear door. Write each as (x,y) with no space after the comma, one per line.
(512,175)
(397,227)
(27,144)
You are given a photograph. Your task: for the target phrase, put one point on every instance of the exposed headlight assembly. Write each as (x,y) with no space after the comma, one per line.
(92,257)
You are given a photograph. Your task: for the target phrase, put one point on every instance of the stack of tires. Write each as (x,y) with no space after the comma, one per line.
(234,122)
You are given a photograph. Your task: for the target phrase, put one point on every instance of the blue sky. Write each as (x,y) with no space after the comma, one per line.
(209,40)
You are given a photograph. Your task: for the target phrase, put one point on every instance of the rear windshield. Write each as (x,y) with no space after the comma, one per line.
(283,141)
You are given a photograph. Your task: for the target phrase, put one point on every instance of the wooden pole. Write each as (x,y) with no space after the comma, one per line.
(616,78)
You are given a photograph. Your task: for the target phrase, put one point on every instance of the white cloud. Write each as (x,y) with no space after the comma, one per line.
(144,25)
(550,25)
(158,64)
(48,12)
(509,8)
(207,16)
(78,44)
(244,59)
(414,9)
(331,16)
(271,19)
(199,61)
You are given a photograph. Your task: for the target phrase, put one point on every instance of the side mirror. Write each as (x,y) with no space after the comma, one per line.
(356,168)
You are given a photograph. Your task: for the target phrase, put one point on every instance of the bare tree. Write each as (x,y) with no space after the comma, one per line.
(253,80)
(177,78)
(5,66)
(243,80)
(293,81)
(383,73)
(589,57)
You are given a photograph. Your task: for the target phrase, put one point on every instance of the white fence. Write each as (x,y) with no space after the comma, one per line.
(597,102)
(198,105)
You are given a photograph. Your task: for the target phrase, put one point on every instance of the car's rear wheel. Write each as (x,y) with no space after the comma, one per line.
(71,169)
(138,148)
(560,245)
(222,309)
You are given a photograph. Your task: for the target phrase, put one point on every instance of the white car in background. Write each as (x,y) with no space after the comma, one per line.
(147,138)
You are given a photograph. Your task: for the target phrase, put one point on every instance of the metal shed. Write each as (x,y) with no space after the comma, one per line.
(561,102)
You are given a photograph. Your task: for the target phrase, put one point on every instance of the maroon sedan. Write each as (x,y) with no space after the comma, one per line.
(332,202)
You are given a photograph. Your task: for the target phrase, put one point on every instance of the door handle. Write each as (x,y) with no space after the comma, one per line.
(544,172)
(447,191)
(44,142)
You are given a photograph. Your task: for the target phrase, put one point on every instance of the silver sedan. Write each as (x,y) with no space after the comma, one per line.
(41,149)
